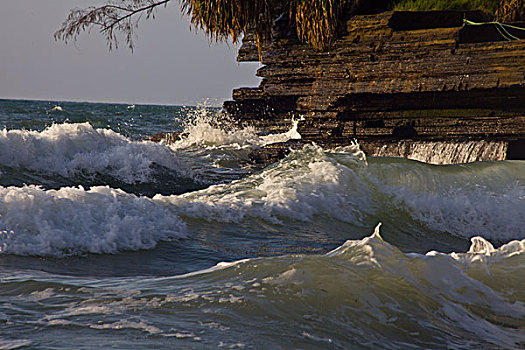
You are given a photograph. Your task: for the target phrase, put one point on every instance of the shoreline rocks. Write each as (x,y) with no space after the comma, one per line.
(394,81)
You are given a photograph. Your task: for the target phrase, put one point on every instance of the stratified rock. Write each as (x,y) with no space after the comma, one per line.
(394,76)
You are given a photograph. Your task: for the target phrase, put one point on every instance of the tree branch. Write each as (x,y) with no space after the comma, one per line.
(113,19)
(148,8)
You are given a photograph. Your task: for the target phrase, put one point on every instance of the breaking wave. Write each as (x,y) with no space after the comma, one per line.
(213,130)
(73,149)
(310,185)
(464,201)
(73,221)
(366,289)
(364,294)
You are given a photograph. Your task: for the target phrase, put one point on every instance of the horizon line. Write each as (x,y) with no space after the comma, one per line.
(110,102)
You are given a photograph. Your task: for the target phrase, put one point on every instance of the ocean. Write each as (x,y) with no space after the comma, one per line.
(110,241)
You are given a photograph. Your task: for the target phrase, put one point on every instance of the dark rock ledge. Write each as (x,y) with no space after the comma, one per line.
(401,83)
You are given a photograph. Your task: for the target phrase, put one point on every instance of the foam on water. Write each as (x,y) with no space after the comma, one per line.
(213,130)
(311,184)
(486,200)
(72,149)
(364,293)
(305,184)
(73,221)
(369,281)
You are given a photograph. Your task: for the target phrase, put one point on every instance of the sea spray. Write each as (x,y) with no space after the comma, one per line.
(292,134)
(70,149)
(206,129)
(218,150)
(211,130)
(73,221)
(310,185)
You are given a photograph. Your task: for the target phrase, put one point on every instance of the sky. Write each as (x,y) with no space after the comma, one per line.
(171,63)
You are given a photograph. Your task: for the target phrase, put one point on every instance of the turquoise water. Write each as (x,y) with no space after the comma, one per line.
(107,240)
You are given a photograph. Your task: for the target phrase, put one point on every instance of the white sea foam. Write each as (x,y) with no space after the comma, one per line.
(339,185)
(214,130)
(57,108)
(72,221)
(69,149)
(363,282)
(128,324)
(102,220)
(310,184)
(465,201)
(480,250)
(486,279)
(307,183)
(376,278)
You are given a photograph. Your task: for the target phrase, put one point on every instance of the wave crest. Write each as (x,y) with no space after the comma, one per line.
(73,221)
(370,281)
(72,149)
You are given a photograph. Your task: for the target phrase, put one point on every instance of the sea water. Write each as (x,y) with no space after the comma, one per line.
(110,241)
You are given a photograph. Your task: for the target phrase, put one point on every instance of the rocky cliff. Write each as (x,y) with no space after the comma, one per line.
(396,82)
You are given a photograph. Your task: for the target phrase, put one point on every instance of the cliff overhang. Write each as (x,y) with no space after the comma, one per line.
(394,79)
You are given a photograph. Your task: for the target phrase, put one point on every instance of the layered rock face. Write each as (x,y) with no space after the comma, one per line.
(395,81)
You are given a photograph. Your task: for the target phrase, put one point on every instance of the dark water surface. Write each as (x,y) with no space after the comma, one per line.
(110,241)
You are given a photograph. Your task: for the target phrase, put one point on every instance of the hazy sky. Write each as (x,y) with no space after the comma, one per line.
(170,64)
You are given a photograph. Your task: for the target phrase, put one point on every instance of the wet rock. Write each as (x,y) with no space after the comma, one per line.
(392,76)
(167,137)
(274,152)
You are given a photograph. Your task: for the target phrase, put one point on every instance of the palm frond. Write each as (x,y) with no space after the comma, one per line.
(223,19)
(317,21)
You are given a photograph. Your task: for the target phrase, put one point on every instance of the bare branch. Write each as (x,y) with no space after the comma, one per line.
(113,19)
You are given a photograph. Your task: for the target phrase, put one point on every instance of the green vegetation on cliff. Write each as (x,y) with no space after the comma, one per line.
(489,6)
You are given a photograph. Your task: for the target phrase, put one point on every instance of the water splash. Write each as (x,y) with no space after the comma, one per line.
(73,221)
(56,108)
(291,134)
(210,129)
(72,149)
